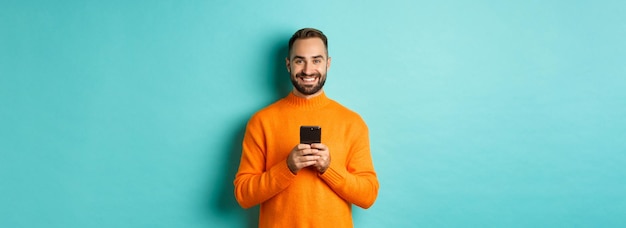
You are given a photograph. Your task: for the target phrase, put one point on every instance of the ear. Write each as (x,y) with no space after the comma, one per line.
(328,63)
(288,64)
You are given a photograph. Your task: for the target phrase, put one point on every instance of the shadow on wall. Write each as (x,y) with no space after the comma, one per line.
(278,78)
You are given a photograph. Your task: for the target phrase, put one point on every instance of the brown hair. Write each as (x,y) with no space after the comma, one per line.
(307,33)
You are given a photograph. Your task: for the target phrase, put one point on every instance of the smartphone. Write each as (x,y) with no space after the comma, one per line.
(310,134)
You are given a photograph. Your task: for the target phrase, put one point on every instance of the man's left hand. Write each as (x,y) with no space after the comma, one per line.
(322,151)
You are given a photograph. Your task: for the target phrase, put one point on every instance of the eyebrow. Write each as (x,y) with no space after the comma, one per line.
(302,57)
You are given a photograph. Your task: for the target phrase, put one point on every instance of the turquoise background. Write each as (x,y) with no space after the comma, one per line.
(481,113)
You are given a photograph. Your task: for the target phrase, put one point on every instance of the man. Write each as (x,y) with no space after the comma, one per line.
(302,185)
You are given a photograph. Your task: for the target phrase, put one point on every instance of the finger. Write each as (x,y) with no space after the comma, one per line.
(313,152)
(305,152)
(309,163)
(309,158)
(308,152)
(303,162)
(321,153)
(319,146)
(303,146)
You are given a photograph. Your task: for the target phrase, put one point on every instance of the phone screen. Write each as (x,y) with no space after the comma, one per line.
(310,134)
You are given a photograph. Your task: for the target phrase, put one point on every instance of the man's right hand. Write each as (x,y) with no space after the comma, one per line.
(301,156)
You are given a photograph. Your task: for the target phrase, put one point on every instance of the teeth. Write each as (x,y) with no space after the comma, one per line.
(308,79)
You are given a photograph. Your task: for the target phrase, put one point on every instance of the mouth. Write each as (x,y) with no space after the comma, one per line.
(308,80)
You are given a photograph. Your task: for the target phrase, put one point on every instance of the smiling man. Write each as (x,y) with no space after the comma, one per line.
(309,64)
(306,185)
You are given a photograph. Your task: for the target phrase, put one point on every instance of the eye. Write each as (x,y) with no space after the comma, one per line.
(298,61)
(317,61)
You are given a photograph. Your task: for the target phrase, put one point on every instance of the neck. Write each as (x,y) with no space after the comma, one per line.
(299,94)
(310,103)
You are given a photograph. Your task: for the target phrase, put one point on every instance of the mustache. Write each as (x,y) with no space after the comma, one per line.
(302,74)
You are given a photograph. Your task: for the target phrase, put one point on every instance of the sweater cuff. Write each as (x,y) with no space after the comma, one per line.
(334,176)
(281,174)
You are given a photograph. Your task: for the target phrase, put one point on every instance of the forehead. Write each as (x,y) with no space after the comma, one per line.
(308,47)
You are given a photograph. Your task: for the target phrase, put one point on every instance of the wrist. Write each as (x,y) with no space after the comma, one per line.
(321,170)
(292,169)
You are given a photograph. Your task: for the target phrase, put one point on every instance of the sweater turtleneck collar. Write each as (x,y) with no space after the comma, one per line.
(311,103)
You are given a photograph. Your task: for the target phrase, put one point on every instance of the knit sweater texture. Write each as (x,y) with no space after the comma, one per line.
(308,198)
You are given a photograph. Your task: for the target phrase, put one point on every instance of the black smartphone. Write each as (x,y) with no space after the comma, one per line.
(310,134)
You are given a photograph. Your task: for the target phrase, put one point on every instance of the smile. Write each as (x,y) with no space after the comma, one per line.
(309,79)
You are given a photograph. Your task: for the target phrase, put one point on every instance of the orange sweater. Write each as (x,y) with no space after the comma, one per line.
(307,199)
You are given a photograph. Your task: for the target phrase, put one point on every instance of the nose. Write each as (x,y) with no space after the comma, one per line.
(308,69)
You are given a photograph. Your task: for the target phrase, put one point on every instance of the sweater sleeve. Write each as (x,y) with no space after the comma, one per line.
(355,181)
(255,183)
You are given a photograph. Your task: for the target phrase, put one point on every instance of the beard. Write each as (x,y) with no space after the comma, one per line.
(308,89)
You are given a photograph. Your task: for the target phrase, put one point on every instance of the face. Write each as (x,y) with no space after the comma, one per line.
(307,64)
